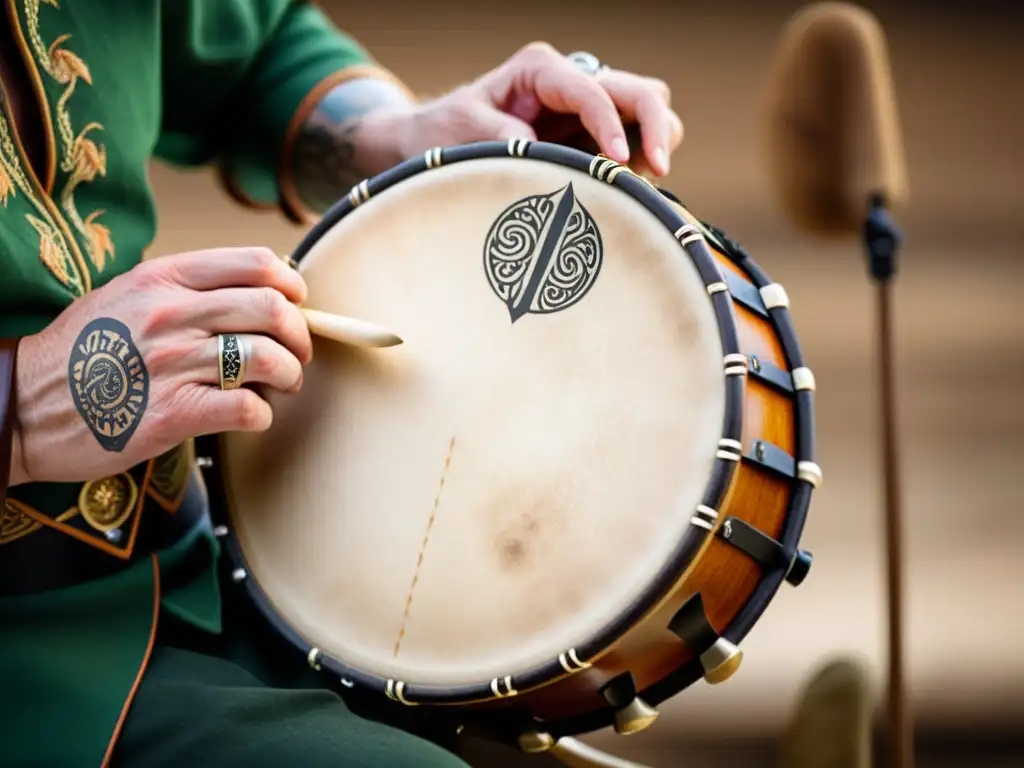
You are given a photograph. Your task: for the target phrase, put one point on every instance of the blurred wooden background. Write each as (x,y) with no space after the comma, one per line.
(960,337)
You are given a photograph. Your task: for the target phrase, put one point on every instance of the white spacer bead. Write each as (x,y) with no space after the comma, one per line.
(774,296)
(803,378)
(810,473)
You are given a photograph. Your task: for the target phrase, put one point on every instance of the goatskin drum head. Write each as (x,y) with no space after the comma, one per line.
(505,483)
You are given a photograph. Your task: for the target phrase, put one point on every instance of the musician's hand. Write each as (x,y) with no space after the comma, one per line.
(517,100)
(131,370)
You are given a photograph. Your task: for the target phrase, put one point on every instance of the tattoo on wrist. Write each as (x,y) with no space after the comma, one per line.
(330,154)
(323,161)
(109,382)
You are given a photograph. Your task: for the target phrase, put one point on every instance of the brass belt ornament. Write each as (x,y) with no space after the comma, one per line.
(106,504)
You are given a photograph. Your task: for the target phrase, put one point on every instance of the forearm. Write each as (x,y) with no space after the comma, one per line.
(349,135)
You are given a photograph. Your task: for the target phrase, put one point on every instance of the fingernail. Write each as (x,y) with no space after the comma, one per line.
(661,161)
(620,150)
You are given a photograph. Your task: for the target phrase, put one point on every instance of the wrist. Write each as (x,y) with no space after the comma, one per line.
(388,137)
(341,137)
(23,395)
(12,470)
(19,476)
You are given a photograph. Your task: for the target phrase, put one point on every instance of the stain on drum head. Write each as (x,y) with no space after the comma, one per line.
(490,493)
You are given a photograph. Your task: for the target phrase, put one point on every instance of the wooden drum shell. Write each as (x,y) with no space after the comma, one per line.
(725,577)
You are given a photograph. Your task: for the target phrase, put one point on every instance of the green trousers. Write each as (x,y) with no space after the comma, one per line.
(193,709)
(241,698)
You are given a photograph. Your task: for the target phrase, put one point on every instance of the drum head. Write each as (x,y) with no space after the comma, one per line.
(505,484)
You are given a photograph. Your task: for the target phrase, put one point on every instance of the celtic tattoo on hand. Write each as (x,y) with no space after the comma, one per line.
(109,382)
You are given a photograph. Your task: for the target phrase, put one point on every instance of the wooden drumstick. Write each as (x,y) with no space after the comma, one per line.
(349,330)
(345,330)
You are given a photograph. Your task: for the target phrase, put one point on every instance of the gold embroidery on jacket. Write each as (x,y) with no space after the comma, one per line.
(171,474)
(49,249)
(82,159)
(53,248)
(15,524)
(6,185)
(102,503)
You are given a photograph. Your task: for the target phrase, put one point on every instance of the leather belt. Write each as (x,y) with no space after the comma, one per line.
(49,559)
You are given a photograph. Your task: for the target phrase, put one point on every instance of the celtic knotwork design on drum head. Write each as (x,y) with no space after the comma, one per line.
(543,253)
(109,382)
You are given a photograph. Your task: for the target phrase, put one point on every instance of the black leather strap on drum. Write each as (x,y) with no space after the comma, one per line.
(49,559)
(8,358)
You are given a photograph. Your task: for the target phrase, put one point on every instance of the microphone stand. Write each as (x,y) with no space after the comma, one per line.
(882,240)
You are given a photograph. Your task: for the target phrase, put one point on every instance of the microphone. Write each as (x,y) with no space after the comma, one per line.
(835,158)
(831,126)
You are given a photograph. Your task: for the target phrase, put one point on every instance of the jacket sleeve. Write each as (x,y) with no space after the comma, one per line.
(240,77)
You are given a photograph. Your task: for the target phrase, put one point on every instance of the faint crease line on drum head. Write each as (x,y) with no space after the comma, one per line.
(423,546)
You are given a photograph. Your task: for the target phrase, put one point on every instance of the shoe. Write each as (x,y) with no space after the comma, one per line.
(831,727)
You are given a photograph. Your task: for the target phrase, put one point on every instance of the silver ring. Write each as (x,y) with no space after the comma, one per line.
(230,360)
(587,63)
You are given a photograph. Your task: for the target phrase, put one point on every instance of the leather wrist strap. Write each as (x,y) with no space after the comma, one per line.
(8,356)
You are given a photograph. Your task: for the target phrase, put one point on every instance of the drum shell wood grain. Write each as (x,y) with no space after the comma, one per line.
(725,577)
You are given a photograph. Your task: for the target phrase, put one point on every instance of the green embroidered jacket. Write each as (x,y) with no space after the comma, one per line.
(117,83)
